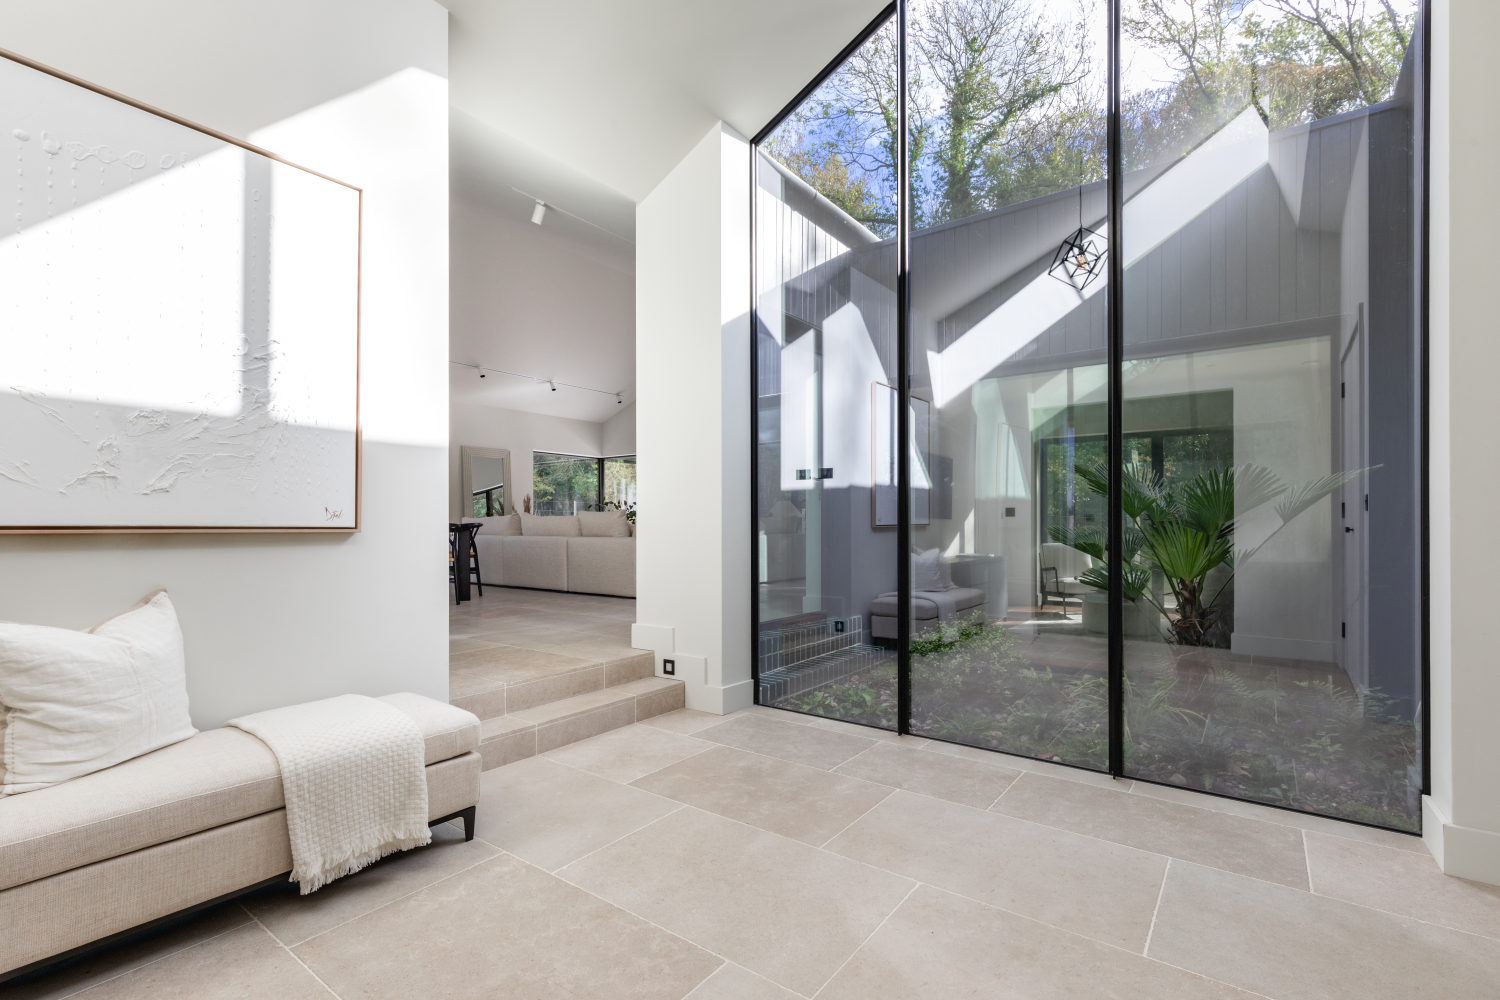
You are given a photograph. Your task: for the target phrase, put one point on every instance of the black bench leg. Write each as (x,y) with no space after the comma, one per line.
(467,815)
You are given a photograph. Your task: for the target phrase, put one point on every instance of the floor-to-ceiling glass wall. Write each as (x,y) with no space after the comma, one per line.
(1274,646)
(825,298)
(1266,339)
(1007,345)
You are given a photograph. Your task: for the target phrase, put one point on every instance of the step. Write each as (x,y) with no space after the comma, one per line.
(504,680)
(515,736)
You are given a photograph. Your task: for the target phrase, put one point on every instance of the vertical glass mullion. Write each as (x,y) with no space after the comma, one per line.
(903,384)
(1115,444)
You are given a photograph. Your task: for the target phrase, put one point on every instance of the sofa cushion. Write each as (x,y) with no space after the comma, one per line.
(602,566)
(214,778)
(75,702)
(603,524)
(964,598)
(535,562)
(504,524)
(543,526)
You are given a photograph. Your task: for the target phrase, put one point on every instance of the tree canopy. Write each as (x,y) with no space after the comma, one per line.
(1008,96)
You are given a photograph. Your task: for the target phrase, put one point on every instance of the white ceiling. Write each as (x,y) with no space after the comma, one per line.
(588,105)
(622,91)
(554,301)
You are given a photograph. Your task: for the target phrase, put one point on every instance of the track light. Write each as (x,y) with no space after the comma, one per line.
(538,212)
(554,387)
(618,400)
(481,371)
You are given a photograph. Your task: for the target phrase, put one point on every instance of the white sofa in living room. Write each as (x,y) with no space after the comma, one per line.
(586,553)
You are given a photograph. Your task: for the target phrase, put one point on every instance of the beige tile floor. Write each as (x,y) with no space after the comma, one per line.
(769,855)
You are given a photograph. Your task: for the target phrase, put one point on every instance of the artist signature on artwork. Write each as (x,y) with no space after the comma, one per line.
(333,515)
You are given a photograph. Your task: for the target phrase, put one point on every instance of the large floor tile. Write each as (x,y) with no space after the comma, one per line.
(1401,882)
(968,782)
(468,645)
(626,754)
(1284,817)
(550,814)
(685,721)
(1091,887)
(245,962)
(1246,846)
(784,910)
(1029,764)
(800,744)
(938,946)
(734,982)
(1295,945)
(867,732)
(804,803)
(294,918)
(505,929)
(95,967)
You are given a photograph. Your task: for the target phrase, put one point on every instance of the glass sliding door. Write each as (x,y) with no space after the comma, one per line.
(825,335)
(1272,629)
(1007,333)
(1148,436)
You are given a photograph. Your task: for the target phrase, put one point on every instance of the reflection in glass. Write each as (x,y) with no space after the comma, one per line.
(826,343)
(1007,334)
(1272,639)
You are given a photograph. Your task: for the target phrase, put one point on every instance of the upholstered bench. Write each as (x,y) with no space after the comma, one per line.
(175,830)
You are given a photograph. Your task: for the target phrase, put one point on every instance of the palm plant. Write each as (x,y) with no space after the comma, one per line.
(1185,532)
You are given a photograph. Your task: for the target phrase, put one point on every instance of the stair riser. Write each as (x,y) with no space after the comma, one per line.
(520,744)
(530,694)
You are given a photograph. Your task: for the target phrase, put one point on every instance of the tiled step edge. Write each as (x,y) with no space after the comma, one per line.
(514,737)
(567,681)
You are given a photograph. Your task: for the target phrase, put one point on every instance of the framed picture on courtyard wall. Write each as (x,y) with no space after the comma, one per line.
(180,350)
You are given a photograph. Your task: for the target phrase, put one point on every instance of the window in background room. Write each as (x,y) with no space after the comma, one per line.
(617,483)
(563,484)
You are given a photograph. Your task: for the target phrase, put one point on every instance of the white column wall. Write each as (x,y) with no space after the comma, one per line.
(693,422)
(356,89)
(1461,819)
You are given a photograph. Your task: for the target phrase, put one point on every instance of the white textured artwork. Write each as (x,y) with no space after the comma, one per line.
(179,324)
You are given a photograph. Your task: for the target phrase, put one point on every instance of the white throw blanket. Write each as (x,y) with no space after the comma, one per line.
(352,770)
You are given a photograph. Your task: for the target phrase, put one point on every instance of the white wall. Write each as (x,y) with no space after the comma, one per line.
(356,90)
(1461,818)
(480,426)
(693,422)
(619,432)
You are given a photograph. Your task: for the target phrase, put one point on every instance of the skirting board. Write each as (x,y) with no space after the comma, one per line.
(1461,851)
(1287,649)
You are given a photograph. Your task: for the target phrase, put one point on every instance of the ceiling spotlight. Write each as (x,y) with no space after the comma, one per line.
(554,387)
(618,400)
(480,370)
(538,212)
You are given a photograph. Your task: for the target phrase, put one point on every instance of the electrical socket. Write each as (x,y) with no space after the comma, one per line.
(669,667)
